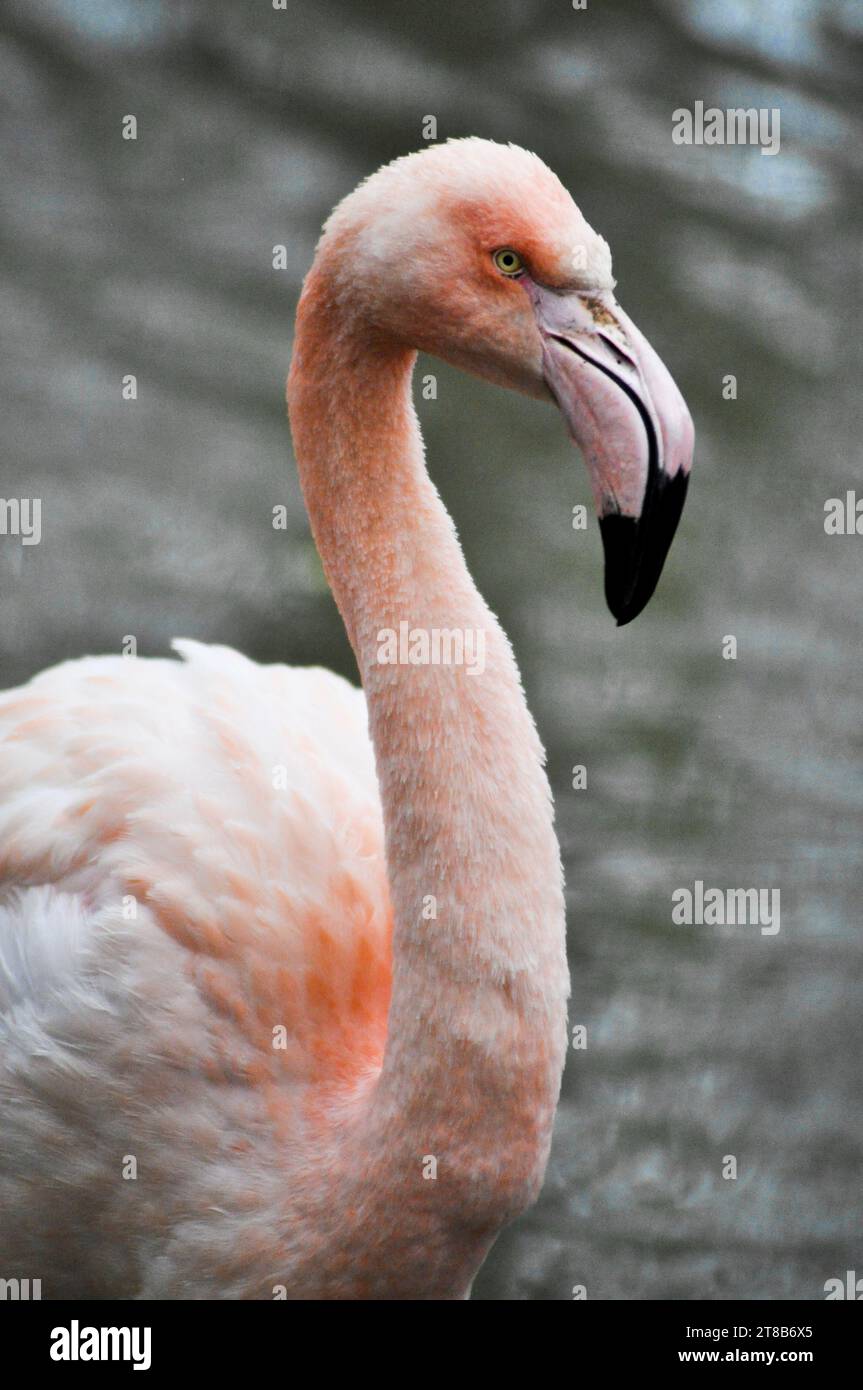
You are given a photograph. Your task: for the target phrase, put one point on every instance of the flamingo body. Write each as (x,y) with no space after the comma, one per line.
(283,971)
(207,843)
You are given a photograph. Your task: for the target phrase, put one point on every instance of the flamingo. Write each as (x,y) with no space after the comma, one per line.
(283,981)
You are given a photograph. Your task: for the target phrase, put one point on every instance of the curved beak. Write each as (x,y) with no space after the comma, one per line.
(631,423)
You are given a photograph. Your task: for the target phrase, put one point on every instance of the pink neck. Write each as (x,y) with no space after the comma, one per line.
(476,1032)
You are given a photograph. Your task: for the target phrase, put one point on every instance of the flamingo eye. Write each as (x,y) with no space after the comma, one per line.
(508,262)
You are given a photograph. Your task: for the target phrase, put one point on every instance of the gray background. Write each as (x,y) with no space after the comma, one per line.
(154,257)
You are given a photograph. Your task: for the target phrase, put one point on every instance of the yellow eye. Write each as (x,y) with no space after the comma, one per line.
(508,262)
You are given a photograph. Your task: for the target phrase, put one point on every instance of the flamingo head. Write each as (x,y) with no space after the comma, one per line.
(476,253)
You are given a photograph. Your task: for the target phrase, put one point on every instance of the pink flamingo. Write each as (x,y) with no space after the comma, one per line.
(283,976)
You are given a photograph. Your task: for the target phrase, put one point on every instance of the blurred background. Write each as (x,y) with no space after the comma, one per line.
(155,257)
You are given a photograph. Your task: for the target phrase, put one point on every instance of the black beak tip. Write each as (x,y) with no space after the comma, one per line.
(626,618)
(636,547)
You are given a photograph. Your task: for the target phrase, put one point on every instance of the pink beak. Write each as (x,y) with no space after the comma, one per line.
(631,423)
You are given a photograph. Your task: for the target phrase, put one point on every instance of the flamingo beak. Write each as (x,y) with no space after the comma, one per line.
(631,423)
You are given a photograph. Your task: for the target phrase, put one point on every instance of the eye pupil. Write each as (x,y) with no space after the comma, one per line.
(509,262)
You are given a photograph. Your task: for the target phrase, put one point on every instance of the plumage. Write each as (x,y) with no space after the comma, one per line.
(206,836)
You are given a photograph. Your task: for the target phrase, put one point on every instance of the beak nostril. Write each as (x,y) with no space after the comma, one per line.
(619,351)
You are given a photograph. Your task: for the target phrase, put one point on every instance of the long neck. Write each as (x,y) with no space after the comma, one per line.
(476,1029)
